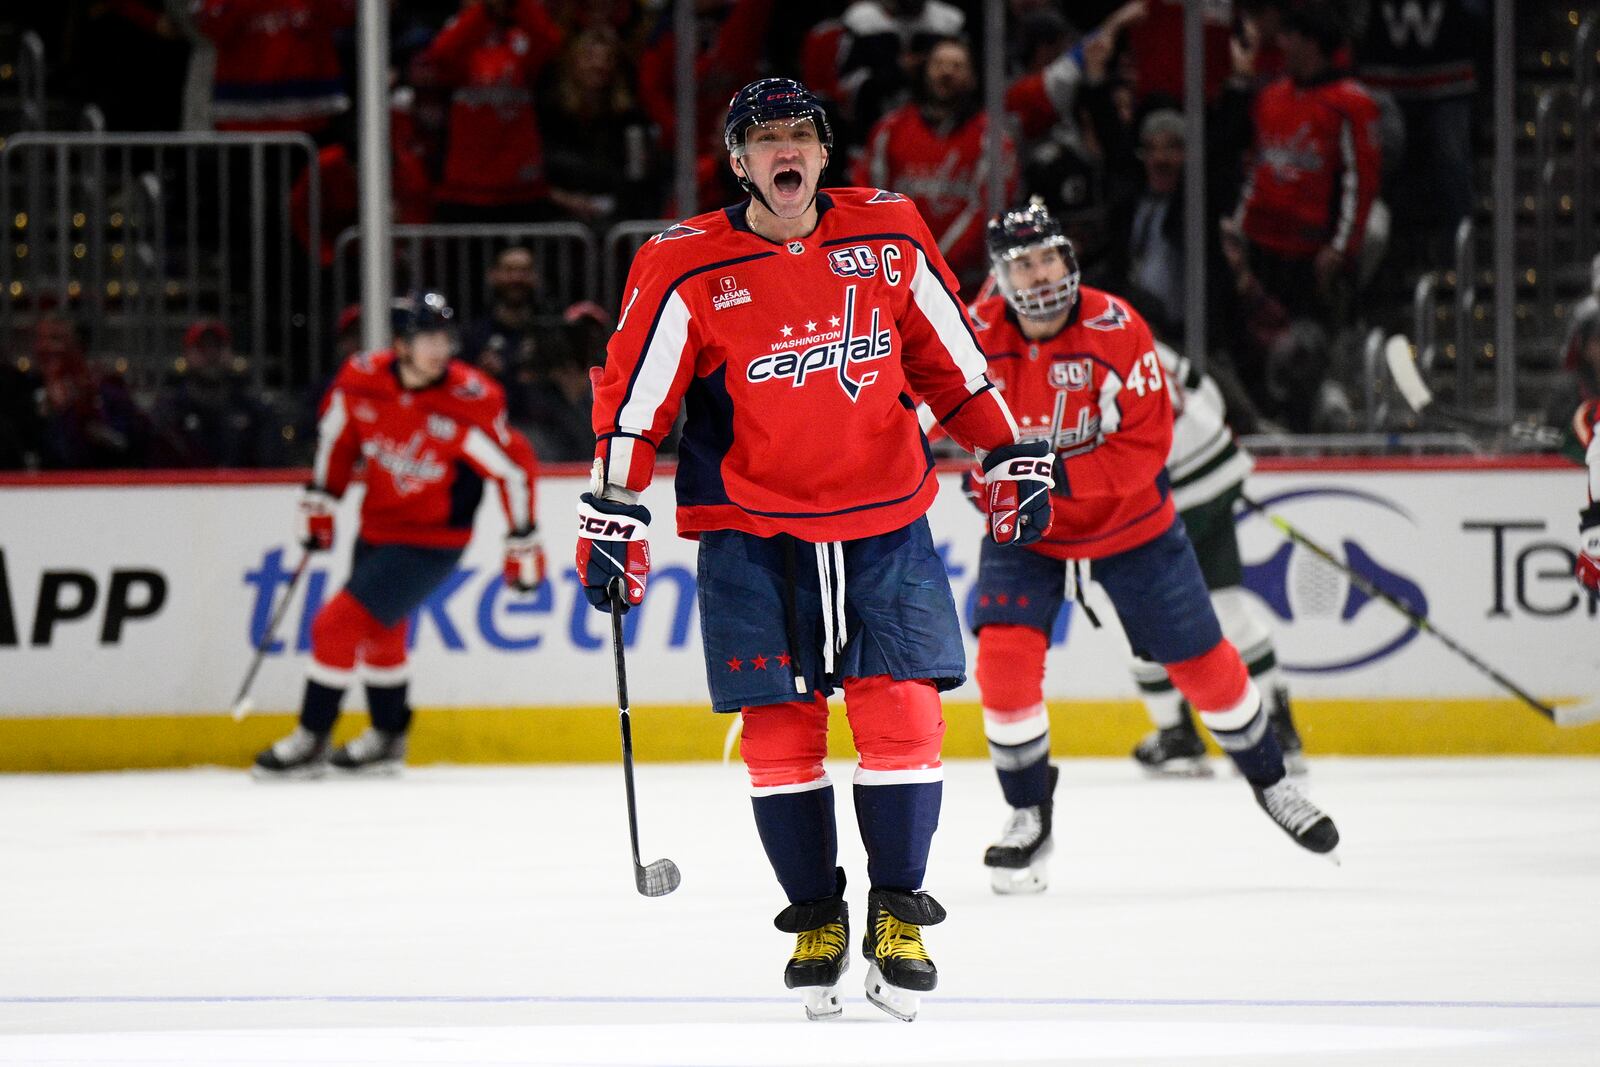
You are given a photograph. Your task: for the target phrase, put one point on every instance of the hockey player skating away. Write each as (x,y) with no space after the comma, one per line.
(1207,469)
(431,430)
(795,327)
(1586,428)
(1080,371)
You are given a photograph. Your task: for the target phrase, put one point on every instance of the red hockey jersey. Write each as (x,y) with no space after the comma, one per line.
(798,362)
(1315,169)
(495,154)
(945,173)
(1097,389)
(427,452)
(277,65)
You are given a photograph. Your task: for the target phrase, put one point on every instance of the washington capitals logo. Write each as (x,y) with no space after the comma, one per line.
(412,465)
(838,351)
(884,196)
(1114,317)
(674,232)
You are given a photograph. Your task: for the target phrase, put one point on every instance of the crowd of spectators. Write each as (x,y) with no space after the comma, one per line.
(504,111)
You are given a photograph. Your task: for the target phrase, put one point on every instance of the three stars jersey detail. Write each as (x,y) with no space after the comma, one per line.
(1098,391)
(427,452)
(796,364)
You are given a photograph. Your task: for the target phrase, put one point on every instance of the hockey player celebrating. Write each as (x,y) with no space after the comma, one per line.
(1207,469)
(431,430)
(1080,371)
(796,326)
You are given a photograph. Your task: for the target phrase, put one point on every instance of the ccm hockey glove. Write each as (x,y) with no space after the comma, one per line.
(1018,479)
(316,519)
(1588,567)
(613,547)
(524,561)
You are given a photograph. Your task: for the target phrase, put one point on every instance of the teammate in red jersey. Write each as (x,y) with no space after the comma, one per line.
(431,430)
(1080,372)
(797,326)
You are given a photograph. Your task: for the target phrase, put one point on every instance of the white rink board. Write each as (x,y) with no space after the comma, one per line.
(1491,552)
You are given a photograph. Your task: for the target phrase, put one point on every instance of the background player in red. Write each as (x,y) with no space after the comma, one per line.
(431,430)
(1585,421)
(796,327)
(1080,372)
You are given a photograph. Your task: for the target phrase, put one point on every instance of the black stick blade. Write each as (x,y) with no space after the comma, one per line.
(658,879)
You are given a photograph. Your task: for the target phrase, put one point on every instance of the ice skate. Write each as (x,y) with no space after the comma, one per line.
(901,969)
(302,754)
(1174,751)
(1294,759)
(821,951)
(375,752)
(1017,862)
(1299,818)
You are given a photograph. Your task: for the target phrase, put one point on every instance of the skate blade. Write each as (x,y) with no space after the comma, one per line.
(1019,881)
(822,1003)
(900,1003)
(379,769)
(1182,767)
(307,773)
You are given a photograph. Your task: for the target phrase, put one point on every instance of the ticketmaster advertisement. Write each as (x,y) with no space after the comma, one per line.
(148,600)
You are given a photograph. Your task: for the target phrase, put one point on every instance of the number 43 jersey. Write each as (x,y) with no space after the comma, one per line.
(1097,390)
(796,363)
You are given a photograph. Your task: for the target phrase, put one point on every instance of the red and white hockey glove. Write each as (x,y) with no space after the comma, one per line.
(524,561)
(1018,479)
(316,519)
(1588,567)
(613,548)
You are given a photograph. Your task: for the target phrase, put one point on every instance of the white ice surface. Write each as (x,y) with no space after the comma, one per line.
(488,916)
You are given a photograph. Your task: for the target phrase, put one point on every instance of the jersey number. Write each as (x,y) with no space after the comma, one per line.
(1145,375)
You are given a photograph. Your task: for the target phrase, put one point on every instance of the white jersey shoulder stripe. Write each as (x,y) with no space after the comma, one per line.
(483,450)
(329,429)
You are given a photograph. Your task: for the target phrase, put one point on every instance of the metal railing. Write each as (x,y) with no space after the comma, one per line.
(138,235)
(1544,257)
(622,242)
(30,80)
(455,259)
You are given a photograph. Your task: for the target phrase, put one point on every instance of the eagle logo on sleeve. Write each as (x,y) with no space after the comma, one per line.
(1114,317)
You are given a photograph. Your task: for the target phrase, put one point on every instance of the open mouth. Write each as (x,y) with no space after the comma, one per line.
(788,182)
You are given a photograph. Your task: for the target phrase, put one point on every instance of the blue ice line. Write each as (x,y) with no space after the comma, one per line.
(1066,1002)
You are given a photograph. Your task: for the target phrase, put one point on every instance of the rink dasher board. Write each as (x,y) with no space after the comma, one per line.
(128,611)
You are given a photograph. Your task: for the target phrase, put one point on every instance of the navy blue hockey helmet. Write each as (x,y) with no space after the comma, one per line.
(1013,233)
(771,99)
(420,312)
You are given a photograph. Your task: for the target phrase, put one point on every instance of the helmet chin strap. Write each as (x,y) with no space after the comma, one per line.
(749,186)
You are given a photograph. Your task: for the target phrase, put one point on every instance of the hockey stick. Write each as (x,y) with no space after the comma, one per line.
(1408,380)
(1570,715)
(660,877)
(242,704)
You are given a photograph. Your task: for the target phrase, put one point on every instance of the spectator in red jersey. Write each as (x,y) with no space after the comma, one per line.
(932,151)
(277,67)
(597,141)
(731,35)
(490,56)
(1314,172)
(410,184)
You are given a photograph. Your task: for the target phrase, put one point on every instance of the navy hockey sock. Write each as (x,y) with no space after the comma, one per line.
(897,824)
(1254,749)
(802,843)
(388,707)
(1025,784)
(319,708)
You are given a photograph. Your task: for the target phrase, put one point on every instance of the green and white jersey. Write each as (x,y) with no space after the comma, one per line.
(1206,461)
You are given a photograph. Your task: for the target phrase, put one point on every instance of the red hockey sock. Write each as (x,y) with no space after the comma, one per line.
(337,633)
(783,746)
